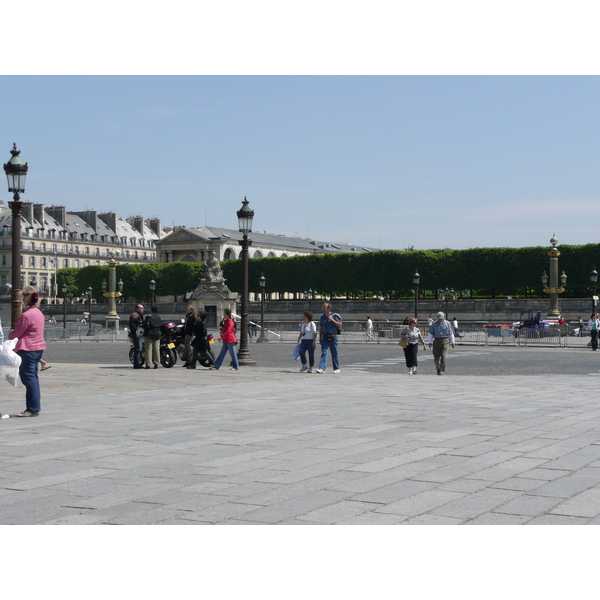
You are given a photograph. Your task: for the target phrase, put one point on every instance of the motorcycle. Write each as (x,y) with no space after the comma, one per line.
(168,357)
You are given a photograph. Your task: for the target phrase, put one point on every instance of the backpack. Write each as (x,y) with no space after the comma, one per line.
(340,318)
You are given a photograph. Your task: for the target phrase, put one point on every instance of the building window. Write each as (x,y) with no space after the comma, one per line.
(65,263)
(229,255)
(257,254)
(32,262)
(76,263)
(44,262)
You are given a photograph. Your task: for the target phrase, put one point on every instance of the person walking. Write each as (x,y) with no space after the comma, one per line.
(136,319)
(413,336)
(29,330)
(229,341)
(308,339)
(329,327)
(580,332)
(594,327)
(188,329)
(201,345)
(441,334)
(152,325)
(369,329)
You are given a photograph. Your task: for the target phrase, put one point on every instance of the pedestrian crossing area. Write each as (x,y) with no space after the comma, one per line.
(399,360)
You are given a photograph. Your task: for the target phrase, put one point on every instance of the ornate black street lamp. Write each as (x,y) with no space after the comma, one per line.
(65,289)
(416,279)
(152,288)
(89,294)
(245,216)
(16,172)
(594,280)
(262,282)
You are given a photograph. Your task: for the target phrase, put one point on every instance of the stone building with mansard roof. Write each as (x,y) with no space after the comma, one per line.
(191,244)
(74,239)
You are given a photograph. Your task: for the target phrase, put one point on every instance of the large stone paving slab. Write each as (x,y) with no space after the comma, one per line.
(271,446)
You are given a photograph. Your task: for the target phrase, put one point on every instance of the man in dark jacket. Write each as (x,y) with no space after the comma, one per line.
(135,320)
(190,323)
(152,325)
(201,345)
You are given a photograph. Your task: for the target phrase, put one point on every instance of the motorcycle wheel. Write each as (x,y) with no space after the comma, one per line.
(167,357)
(142,356)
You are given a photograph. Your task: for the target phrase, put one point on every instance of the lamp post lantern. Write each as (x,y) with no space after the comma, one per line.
(416,279)
(594,280)
(262,282)
(16,173)
(554,290)
(65,289)
(245,216)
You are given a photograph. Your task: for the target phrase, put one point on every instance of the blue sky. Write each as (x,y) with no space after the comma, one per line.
(450,158)
(449,161)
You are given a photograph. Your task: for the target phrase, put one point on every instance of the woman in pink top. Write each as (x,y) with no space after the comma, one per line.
(30,332)
(229,340)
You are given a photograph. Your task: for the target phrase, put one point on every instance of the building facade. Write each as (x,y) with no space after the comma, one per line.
(191,244)
(53,238)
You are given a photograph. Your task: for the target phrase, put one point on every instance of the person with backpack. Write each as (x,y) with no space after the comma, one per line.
(135,321)
(329,328)
(152,325)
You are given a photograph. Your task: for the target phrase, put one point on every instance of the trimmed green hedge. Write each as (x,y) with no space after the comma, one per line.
(172,279)
(483,271)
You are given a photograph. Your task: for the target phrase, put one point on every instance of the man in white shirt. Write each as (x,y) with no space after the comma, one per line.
(441,334)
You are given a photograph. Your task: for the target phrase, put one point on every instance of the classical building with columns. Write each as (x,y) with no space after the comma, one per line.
(192,244)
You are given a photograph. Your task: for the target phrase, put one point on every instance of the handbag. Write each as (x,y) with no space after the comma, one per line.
(403,343)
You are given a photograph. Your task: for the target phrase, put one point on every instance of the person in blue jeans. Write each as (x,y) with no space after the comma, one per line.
(329,327)
(229,341)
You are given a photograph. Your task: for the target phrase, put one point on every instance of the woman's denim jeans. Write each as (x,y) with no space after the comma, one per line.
(224,349)
(28,371)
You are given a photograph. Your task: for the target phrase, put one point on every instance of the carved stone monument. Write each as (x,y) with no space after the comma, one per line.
(212,295)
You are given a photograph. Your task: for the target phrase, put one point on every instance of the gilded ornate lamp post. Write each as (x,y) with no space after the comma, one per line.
(65,289)
(112,318)
(245,216)
(594,280)
(416,279)
(554,290)
(16,172)
(262,282)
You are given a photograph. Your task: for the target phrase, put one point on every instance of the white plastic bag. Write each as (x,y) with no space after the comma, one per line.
(10,362)
(296,352)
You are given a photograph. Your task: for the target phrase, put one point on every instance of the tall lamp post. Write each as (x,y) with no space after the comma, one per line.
(112,318)
(446,292)
(152,288)
(16,172)
(262,282)
(594,280)
(554,290)
(89,294)
(245,216)
(65,289)
(416,279)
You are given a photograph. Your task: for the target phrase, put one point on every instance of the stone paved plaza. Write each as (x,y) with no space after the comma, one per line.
(268,445)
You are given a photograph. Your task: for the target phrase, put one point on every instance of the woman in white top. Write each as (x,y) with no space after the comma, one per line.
(308,339)
(369,329)
(410,352)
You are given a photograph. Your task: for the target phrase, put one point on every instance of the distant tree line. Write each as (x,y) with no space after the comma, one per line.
(172,279)
(487,272)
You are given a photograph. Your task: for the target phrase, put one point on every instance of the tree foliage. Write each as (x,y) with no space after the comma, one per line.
(172,279)
(484,271)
